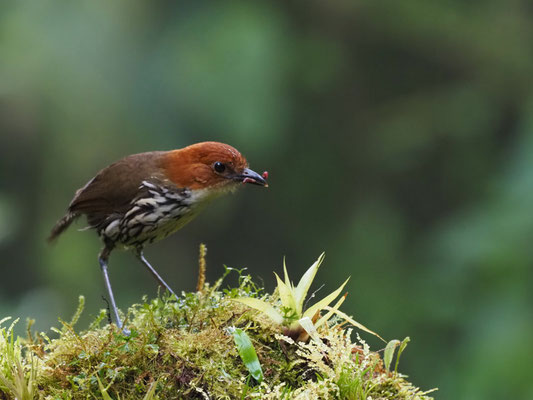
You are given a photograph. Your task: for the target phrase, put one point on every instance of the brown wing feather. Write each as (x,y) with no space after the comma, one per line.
(113,188)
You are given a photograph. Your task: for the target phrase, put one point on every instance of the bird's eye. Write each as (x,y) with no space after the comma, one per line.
(219,167)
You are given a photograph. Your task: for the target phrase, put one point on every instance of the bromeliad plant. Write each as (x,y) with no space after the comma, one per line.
(290,315)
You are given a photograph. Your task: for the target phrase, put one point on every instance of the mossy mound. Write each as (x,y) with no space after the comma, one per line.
(182,349)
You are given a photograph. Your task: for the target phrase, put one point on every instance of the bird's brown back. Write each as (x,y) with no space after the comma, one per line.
(113,188)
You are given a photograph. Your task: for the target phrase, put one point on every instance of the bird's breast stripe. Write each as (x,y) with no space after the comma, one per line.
(153,215)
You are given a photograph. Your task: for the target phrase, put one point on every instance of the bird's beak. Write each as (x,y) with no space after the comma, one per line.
(249,176)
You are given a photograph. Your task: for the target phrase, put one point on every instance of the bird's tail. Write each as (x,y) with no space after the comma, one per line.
(62,225)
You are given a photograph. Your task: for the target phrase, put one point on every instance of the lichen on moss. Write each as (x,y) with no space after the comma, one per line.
(181,348)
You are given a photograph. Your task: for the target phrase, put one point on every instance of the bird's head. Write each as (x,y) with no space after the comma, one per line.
(209,165)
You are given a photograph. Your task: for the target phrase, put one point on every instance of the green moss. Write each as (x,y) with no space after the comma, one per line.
(183,349)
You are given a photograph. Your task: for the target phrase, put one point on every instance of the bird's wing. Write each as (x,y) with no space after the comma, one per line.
(112,189)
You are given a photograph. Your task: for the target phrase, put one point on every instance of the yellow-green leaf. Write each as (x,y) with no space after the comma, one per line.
(324,302)
(262,306)
(403,345)
(285,294)
(389,353)
(310,328)
(349,319)
(305,283)
(328,315)
(287,280)
(150,394)
(103,390)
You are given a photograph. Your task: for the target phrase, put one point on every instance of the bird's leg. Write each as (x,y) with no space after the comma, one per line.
(102,259)
(140,255)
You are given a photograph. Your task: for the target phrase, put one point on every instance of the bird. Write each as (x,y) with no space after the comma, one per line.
(143,198)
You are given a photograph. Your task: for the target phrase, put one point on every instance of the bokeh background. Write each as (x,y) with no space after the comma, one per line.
(398,136)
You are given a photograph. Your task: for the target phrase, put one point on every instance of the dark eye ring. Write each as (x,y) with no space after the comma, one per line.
(219,167)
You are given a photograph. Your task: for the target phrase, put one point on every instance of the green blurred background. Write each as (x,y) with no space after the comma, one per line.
(398,136)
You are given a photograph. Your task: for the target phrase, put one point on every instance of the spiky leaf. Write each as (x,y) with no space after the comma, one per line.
(262,306)
(305,283)
(324,302)
(328,315)
(286,275)
(349,319)
(285,294)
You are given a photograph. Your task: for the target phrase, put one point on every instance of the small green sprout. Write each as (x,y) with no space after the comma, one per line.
(291,314)
(389,352)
